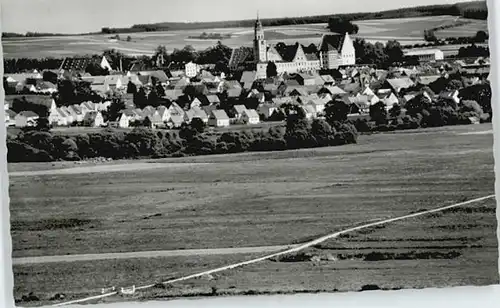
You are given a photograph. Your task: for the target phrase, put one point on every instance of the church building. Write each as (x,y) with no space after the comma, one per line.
(334,51)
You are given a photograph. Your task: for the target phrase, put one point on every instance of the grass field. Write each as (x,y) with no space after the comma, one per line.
(405,30)
(259,199)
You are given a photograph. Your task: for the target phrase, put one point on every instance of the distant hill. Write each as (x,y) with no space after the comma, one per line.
(472,9)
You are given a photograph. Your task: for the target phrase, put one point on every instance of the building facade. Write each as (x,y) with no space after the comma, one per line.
(335,51)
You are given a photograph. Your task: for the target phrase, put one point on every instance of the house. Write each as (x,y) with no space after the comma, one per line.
(164,113)
(213,99)
(10,117)
(218,118)
(195,103)
(408,98)
(175,120)
(250,116)
(238,111)
(155,119)
(188,116)
(200,114)
(397,84)
(474,120)
(45,87)
(427,80)
(76,112)
(267,109)
(296,91)
(93,119)
(191,69)
(123,121)
(175,110)
(60,117)
(233,88)
(247,79)
(368,91)
(88,106)
(305,79)
(260,97)
(450,96)
(318,104)
(26,119)
(332,90)
(310,112)
(43,100)
(336,51)
(388,98)
(328,80)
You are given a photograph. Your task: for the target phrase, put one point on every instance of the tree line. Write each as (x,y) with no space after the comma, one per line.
(191,139)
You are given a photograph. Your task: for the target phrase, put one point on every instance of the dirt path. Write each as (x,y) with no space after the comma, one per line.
(104,168)
(148,254)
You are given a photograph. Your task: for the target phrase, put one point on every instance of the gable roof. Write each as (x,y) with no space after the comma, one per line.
(10,113)
(426,80)
(213,99)
(239,108)
(334,90)
(220,114)
(28,114)
(400,83)
(327,78)
(330,42)
(251,113)
(34,99)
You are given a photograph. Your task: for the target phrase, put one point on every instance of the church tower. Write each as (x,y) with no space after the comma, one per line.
(259,43)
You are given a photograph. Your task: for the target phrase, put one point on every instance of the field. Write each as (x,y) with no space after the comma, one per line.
(264,199)
(405,30)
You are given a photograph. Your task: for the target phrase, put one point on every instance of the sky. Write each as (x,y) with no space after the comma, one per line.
(80,16)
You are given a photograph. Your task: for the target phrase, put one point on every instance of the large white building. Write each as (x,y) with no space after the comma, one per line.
(425,55)
(334,51)
(288,59)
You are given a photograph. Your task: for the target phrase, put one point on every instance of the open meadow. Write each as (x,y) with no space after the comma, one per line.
(264,199)
(406,30)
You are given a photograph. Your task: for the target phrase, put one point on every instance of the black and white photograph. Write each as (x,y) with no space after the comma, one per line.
(172,150)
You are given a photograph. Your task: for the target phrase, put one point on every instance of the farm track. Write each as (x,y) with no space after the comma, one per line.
(148,254)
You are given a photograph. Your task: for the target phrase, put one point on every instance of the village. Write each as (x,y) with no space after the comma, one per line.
(260,82)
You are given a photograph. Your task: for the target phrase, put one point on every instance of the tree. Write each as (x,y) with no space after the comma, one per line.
(114,110)
(198,125)
(42,124)
(271,70)
(454,84)
(322,131)
(129,38)
(140,98)
(481,37)
(336,111)
(339,25)
(50,77)
(131,87)
(378,113)
(394,52)
(395,111)
(95,69)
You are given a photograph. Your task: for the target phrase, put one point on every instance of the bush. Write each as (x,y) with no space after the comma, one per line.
(370,287)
